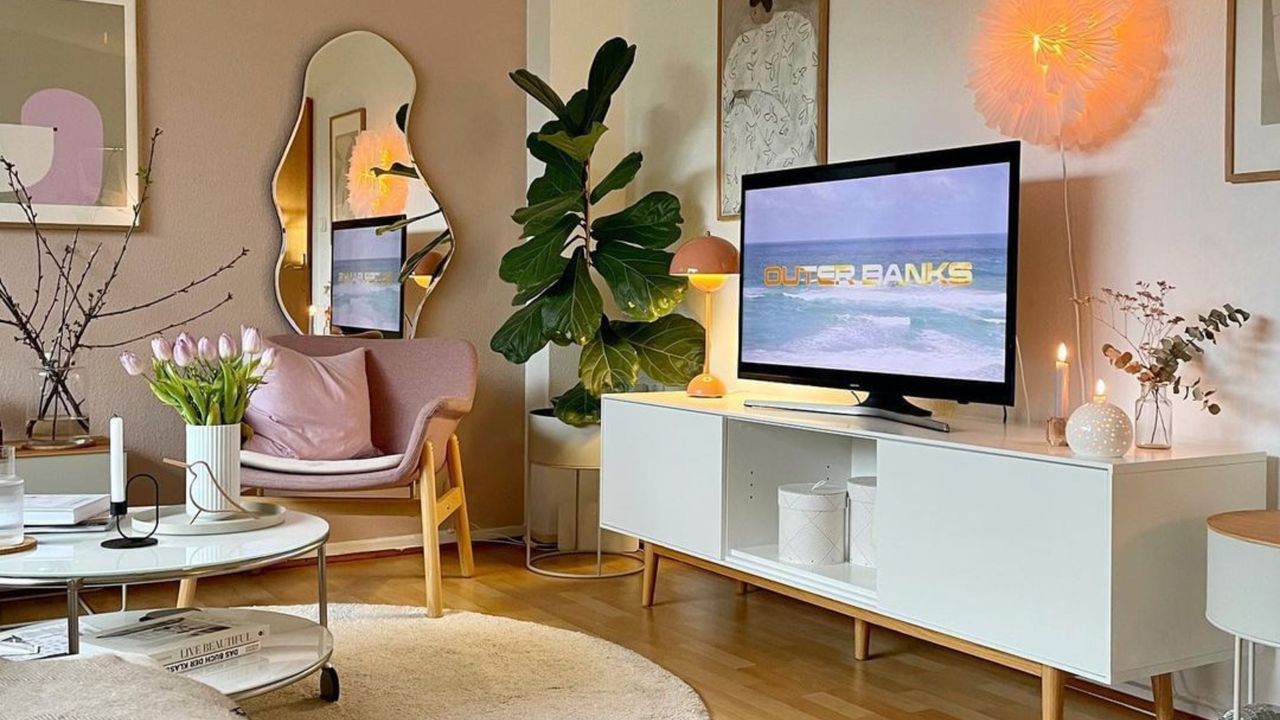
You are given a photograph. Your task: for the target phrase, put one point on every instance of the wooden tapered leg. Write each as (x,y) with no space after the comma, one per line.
(1162,694)
(430,533)
(744,587)
(649,579)
(1052,687)
(462,523)
(186,593)
(861,639)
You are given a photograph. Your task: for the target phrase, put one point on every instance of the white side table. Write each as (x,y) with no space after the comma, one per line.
(75,561)
(1243,581)
(83,470)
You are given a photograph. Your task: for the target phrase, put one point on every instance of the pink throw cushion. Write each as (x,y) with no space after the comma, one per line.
(312,408)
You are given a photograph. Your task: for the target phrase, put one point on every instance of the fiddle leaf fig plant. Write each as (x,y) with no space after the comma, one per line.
(564,247)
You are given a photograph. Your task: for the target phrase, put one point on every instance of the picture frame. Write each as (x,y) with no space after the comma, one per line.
(69,119)
(1253,91)
(343,130)
(745,141)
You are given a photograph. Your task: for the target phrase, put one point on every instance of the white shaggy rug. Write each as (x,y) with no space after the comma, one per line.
(394,662)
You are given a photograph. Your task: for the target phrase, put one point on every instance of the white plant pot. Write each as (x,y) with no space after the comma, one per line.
(555,444)
(212,449)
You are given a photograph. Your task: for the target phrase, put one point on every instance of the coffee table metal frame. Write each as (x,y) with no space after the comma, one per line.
(75,585)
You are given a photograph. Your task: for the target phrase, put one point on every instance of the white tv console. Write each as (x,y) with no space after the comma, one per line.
(989,541)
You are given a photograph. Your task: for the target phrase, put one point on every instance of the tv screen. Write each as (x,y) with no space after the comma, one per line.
(892,275)
(365,278)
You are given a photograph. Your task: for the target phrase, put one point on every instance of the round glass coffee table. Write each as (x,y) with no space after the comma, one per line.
(295,648)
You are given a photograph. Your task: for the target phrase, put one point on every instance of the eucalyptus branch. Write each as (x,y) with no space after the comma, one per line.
(244,251)
(170,326)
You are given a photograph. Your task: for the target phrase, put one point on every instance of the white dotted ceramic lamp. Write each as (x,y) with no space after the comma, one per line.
(1099,429)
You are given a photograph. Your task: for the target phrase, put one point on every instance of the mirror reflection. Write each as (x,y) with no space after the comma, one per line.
(363,239)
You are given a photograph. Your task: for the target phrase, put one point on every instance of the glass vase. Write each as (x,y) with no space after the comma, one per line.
(1153,418)
(56,416)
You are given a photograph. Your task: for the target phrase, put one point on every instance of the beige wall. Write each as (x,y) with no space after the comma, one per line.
(1151,205)
(224,79)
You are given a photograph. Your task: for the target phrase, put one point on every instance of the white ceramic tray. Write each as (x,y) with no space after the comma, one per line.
(174,520)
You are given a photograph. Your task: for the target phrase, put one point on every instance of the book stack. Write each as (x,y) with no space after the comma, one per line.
(184,640)
(64,513)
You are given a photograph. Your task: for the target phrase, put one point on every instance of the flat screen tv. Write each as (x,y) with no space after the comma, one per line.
(365,277)
(895,276)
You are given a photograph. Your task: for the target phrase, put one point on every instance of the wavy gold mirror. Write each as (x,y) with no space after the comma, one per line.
(363,240)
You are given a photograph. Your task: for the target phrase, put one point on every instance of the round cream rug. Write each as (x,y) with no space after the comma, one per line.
(394,662)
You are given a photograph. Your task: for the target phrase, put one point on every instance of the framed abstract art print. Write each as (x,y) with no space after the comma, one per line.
(1253,90)
(69,109)
(772,104)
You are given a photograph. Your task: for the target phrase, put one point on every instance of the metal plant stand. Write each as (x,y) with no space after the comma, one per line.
(533,557)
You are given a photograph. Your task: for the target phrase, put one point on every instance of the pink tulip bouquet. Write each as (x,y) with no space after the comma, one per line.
(207,382)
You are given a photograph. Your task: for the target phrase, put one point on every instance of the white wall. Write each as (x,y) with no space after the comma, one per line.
(1152,205)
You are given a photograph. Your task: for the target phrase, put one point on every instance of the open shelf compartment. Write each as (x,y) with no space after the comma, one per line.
(758,459)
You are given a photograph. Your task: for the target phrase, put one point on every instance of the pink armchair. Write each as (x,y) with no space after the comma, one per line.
(419,390)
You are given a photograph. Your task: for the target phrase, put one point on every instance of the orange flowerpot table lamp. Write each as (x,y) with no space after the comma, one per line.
(707,261)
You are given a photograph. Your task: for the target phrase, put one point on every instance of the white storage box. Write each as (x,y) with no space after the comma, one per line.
(812,524)
(862,520)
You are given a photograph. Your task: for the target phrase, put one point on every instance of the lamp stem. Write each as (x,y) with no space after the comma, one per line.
(706,325)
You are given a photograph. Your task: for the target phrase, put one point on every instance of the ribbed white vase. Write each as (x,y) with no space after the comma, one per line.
(218,446)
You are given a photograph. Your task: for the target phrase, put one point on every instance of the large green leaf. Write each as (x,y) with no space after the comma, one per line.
(652,222)
(577,407)
(579,147)
(521,335)
(542,216)
(537,263)
(621,174)
(571,308)
(608,69)
(608,363)
(540,91)
(576,119)
(639,279)
(670,350)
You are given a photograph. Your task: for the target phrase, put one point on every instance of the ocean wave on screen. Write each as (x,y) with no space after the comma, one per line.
(930,353)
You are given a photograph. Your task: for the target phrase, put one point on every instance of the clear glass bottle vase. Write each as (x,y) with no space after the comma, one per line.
(56,416)
(1153,417)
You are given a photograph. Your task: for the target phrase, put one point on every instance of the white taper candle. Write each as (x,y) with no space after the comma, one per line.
(118,472)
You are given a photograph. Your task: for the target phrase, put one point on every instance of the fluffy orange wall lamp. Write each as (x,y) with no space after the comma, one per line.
(1067,73)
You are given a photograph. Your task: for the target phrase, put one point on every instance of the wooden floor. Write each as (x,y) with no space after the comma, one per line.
(750,656)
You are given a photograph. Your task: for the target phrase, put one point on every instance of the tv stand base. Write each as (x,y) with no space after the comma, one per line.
(863,410)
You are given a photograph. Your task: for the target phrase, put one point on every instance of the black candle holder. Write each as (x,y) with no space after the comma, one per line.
(120,510)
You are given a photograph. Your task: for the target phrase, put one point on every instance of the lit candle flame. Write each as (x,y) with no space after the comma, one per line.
(1062,352)
(1100,391)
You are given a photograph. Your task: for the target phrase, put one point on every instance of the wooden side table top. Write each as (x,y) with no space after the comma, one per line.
(1256,526)
(100,444)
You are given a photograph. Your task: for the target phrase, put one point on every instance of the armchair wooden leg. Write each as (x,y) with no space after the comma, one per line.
(186,593)
(462,523)
(430,534)
(649,580)
(1052,688)
(861,639)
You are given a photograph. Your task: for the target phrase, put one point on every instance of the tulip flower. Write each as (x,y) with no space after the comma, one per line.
(227,347)
(161,349)
(208,351)
(131,363)
(250,340)
(184,353)
(184,337)
(268,360)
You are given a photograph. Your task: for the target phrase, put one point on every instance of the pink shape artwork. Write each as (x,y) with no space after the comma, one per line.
(75,177)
